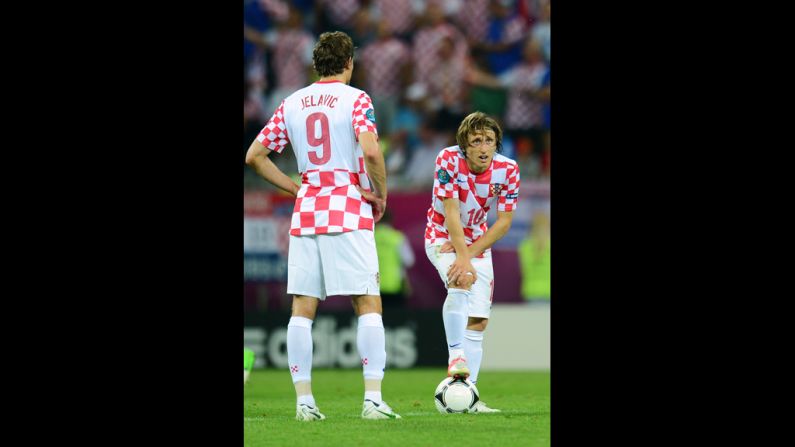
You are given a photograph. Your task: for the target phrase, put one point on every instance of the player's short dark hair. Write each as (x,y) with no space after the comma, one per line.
(477,122)
(332,52)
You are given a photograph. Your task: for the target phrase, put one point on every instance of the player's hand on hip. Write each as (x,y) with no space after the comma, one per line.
(447,247)
(378,204)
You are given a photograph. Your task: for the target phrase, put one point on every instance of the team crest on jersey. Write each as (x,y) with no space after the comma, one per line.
(495,189)
(443,176)
(370,114)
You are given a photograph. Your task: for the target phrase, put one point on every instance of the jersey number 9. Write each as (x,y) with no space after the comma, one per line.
(324,140)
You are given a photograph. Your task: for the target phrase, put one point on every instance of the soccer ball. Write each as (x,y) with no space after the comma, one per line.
(455,395)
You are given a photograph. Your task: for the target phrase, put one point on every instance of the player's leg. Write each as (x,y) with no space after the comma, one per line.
(454,313)
(480,301)
(304,281)
(299,348)
(352,269)
(371,343)
(473,345)
(478,313)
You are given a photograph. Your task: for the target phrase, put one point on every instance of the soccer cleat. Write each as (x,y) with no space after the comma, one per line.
(308,413)
(458,368)
(372,410)
(481,407)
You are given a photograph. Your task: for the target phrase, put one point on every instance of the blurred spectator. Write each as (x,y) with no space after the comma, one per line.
(410,114)
(364,27)
(419,173)
(292,49)
(255,22)
(386,66)
(278,9)
(308,12)
(254,113)
(447,88)
(534,258)
(428,39)
(542,31)
(488,99)
(396,158)
(339,13)
(474,17)
(398,14)
(527,94)
(394,257)
(546,155)
(506,31)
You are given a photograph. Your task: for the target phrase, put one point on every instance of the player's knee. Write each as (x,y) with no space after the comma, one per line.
(477,324)
(365,304)
(304,307)
(462,284)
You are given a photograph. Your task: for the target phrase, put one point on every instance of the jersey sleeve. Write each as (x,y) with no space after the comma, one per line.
(445,174)
(509,197)
(363,119)
(274,135)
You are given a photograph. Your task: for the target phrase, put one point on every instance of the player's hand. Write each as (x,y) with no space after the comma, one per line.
(447,247)
(379,204)
(465,281)
(460,268)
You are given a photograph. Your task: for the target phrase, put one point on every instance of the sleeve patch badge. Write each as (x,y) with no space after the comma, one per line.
(370,114)
(512,196)
(443,176)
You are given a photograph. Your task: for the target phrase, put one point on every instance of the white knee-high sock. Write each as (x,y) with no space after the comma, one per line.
(473,346)
(454,315)
(371,342)
(299,348)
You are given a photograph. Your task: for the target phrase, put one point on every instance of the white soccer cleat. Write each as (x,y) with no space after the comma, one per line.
(481,407)
(458,368)
(372,410)
(308,413)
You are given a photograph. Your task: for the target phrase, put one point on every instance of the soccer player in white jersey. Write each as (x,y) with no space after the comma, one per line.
(331,127)
(469,179)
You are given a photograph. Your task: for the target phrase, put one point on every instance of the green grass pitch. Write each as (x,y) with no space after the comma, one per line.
(523,397)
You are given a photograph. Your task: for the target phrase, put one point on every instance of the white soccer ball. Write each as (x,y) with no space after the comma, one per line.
(455,395)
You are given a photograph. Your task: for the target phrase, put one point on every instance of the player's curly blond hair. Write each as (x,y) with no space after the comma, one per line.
(332,52)
(477,122)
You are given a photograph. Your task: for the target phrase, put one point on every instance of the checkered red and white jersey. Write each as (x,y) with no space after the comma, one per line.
(476,193)
(322,122)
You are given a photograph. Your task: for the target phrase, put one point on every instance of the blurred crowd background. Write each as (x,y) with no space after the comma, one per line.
(426,64)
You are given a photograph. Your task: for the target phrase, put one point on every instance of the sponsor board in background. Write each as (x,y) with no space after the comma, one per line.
(334,337)
(518,338)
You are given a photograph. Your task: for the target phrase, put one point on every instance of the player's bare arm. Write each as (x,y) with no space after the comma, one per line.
(458,270)
(489,238)
(257,158)
(376,171)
